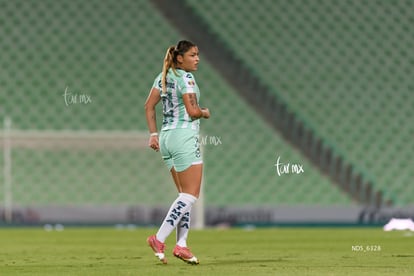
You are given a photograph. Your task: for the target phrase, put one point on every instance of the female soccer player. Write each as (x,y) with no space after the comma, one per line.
(178,142)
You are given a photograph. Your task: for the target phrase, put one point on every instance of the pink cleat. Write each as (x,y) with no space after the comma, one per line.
(184,254)
(158,248)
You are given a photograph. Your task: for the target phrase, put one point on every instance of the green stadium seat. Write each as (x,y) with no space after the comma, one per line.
(341,66)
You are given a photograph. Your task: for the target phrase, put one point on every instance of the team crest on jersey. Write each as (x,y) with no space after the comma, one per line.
(189,79)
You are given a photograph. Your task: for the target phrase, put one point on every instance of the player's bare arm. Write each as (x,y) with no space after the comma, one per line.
(150,114)
(192,107)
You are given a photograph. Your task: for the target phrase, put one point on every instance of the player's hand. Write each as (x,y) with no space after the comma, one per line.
(206,112)
(153,143)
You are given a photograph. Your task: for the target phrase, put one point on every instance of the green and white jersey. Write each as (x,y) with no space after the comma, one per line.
(174,113)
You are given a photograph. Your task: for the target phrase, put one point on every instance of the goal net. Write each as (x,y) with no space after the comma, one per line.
(83,177)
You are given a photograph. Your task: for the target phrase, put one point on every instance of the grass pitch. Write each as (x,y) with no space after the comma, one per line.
(267,251)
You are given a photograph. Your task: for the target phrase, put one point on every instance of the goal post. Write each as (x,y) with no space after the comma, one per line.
(7,170)
(198,209)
